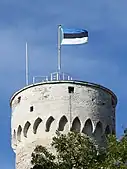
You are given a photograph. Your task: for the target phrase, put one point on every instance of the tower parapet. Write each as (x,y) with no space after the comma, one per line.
(55,76)
(38,110)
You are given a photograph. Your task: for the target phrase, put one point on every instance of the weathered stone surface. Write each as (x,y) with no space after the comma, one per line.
(53,99)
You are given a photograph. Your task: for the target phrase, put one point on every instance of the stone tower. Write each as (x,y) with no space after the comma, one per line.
(38,110)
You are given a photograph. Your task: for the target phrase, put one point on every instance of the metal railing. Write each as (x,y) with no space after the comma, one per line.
(56,76)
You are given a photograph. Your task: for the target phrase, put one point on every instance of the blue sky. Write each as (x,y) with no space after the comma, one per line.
(102,60)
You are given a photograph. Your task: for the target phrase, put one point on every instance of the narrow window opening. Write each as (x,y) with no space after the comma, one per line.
(31,108)
(62,123)
(113,103)
(19,133)
(88,128)
(70,89)
(99,130)
(113,131)
(48,123)
(76,125)
(19,99)
(26,127)
(107,130)
(14,137)
(36,125)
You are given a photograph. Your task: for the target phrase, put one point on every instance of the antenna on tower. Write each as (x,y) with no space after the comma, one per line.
(59,48)
(27,78)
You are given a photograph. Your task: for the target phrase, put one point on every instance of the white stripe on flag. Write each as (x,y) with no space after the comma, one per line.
(74,41)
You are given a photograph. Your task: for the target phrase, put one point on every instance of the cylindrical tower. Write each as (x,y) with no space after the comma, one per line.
(40,109)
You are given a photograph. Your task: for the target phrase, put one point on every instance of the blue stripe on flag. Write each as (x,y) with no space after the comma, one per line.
(66,30)
(73,36)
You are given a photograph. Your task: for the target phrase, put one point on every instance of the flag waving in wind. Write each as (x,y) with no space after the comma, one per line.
(70,37)
(73,36)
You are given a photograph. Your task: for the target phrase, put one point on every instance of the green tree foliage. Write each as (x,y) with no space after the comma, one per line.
(77,151)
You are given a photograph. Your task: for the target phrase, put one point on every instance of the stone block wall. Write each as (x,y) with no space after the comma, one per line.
(41,109)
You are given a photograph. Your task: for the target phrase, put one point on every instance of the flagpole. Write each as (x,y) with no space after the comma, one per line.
(59,48)
(27,78)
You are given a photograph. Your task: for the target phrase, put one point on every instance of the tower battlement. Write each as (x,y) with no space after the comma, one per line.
(42,108)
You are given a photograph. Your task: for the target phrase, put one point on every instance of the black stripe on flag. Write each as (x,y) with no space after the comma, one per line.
(75,35)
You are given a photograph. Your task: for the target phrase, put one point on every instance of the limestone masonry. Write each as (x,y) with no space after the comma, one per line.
(40,109)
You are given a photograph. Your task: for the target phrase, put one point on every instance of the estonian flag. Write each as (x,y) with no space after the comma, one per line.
(73,36)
